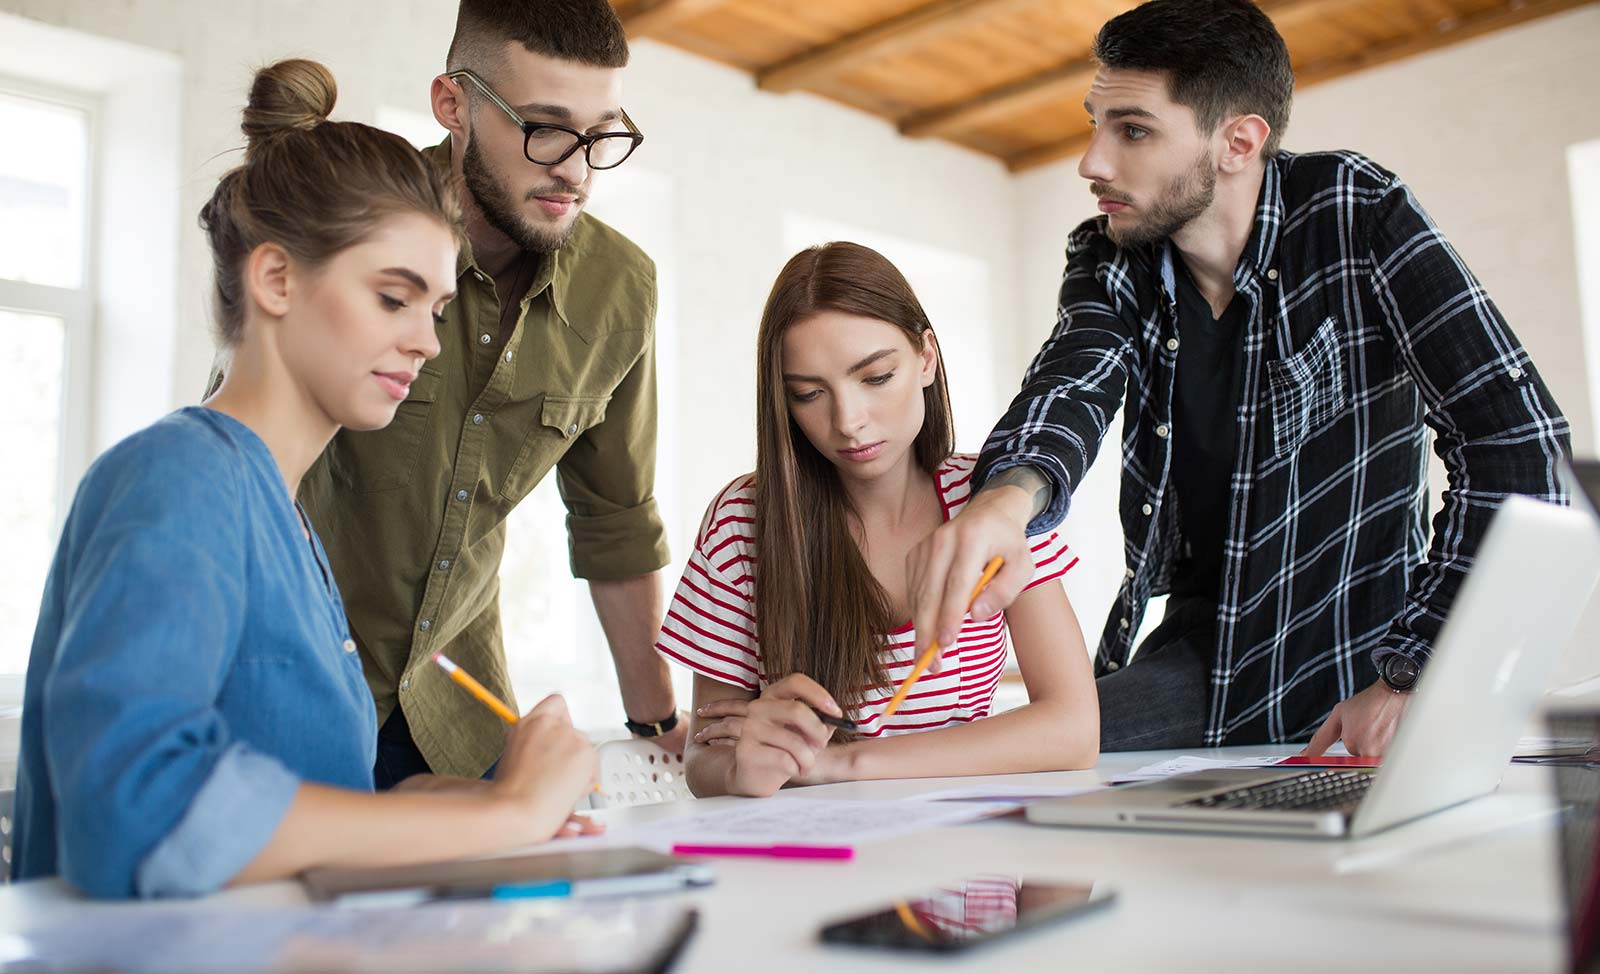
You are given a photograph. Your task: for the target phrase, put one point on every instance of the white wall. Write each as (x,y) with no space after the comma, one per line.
(1480,131)
(742,169)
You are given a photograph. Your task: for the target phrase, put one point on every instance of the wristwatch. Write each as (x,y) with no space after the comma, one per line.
(1399,672)
(654,728)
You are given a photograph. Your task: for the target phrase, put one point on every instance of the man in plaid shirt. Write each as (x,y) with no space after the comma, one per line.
(1281,330)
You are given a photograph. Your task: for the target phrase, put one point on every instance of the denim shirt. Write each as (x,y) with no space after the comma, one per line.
(191,666)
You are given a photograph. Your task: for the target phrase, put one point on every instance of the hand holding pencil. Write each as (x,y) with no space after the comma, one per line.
(932,653)
(544,751)
(942,570)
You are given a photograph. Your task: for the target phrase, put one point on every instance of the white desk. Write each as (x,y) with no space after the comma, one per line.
(1472,888)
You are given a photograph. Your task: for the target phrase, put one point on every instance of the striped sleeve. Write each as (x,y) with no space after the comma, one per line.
(1051,558)
(710,626)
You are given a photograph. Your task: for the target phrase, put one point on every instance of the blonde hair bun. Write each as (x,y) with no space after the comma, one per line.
(291,95)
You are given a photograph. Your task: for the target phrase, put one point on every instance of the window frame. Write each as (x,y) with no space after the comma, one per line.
(75,306)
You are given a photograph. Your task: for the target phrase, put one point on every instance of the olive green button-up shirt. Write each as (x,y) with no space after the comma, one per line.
(413,515)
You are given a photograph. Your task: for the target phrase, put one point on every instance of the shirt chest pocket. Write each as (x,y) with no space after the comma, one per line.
(1306,390)
(561,421)
(384,459)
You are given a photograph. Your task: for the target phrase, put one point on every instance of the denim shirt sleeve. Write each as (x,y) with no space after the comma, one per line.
(155,590)
(230,820)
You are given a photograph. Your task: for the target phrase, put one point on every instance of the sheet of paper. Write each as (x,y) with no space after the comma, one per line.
(805,820)
(480,935)
(1006,794)
(1190,762)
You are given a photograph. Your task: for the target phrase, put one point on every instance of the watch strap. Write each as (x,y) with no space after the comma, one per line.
(652,728)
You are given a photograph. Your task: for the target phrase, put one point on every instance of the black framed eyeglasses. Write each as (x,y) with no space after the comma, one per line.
(549,144)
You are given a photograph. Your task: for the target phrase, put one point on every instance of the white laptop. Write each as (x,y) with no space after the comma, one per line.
(1530,582)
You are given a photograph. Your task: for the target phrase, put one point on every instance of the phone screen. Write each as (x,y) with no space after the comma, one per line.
(974,911)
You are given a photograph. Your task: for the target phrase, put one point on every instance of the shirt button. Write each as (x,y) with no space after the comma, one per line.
(572,430)
(349,645)
(1515,373)
(1123,622)
(1148,510)
(1113,666)
(1172,344)
(444,566)
(461,495)
(477,420)
(1272,275)
(405,684)
(508,355)
(1163,430)
(479,276)
(1127,573)
(484,339)
(425,625)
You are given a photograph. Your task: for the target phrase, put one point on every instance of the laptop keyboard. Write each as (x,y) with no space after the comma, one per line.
(1314,791)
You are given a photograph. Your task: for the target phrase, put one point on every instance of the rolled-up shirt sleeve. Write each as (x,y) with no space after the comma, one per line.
(607,481)
(230,820)
(1073,388)
(152,616)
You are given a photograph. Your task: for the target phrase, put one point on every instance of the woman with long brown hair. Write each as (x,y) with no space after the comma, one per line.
(794,601)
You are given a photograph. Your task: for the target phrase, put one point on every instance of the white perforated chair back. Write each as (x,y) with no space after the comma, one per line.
(638,773)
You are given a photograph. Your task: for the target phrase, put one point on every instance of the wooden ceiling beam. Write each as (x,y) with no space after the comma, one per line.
(642,20)
(1445,33)
(997,103)
(1061,82)
(896,35)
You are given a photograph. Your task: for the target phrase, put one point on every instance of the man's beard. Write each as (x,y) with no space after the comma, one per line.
(1186,197)
(501,213)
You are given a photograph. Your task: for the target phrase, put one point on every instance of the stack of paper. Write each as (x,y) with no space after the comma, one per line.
(805,820)
(1190,762)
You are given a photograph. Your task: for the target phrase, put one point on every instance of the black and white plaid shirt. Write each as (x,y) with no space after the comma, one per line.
(1364,324)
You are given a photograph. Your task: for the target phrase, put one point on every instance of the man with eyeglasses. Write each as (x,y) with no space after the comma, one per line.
(548,362)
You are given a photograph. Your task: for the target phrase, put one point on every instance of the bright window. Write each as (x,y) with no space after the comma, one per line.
(44,321)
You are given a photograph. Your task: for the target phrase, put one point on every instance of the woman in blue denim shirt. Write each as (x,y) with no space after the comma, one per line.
(195,713)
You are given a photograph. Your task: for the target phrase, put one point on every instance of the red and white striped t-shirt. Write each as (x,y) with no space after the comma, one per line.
(711,625)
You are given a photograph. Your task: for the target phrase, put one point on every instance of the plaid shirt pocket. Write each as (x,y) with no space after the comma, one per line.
(1307,389)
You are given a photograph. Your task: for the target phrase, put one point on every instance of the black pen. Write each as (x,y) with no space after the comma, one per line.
(843,723)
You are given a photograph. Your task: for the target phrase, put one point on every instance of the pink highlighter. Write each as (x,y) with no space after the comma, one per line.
(837,853)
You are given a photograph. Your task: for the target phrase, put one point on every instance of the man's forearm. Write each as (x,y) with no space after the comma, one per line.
(630,611)
(1030,480)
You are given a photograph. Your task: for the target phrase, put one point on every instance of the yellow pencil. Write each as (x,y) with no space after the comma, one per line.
(927,658)
(475,688)
(478,690)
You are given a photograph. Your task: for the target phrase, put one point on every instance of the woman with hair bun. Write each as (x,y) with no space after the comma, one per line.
(195,713)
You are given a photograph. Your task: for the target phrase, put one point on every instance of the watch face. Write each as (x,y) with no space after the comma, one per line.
(1400,672)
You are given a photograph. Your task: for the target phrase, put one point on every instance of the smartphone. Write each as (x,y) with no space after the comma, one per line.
(975,911)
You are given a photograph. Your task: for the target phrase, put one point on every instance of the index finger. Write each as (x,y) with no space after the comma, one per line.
(798,686)
(554,705)
(726,707)
(1327,735)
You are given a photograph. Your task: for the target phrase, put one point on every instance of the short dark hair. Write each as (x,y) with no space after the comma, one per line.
(1220,57)
(586,31)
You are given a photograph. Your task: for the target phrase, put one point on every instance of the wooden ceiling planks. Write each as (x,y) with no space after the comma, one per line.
(1007,77)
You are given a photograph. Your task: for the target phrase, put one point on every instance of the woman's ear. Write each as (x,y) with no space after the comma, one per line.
(929,354)
(267,274)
